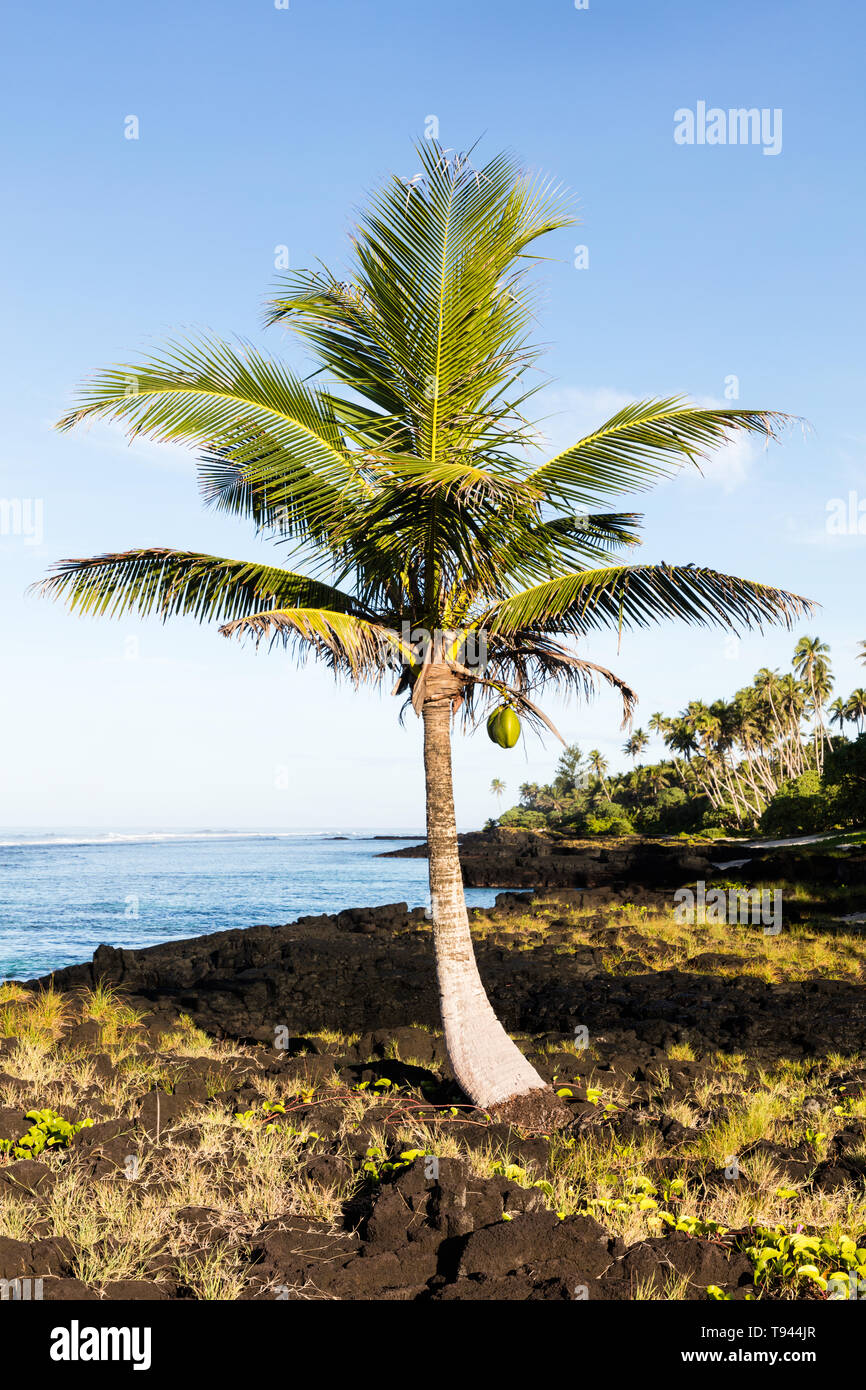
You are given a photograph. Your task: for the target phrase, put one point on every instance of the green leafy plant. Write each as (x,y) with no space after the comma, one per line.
(778,1256)
(48,1131)
(253,1119)
(377,1168)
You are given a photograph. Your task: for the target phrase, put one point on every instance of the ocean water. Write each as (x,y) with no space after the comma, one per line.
(64,893)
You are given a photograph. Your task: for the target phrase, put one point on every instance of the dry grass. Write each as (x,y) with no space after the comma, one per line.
(797,953)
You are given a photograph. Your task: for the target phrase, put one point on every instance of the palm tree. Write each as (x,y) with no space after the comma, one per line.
(597,764)
(792,700)
(497,788)
(861,655)
(658,724)
(653,779)
(426,543)
(529,793)
(838,715)
(855,708)
(768,688)
(748,723)
(812,665)
(680,736)
(635,744)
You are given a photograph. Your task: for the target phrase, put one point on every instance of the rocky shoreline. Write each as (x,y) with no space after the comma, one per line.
(369,968)
(509,858)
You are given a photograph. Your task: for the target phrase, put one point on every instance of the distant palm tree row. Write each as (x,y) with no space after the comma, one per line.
(735,755)
(739,752)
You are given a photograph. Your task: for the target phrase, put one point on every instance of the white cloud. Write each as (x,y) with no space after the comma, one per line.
(571,412)
(112,435)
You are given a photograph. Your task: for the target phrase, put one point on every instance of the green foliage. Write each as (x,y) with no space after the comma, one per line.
(261,1119)
(377,1168)
(745,765)
(48,1131)
(571,773)
(804,1262)
(643,1195)
(802,806)
(845,772)
(614,820)
(780,1257)
(671,812)
(520,818)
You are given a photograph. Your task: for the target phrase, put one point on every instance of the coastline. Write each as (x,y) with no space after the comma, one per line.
(61,896)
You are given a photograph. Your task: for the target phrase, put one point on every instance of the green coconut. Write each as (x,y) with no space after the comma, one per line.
(507,729)
(503,727)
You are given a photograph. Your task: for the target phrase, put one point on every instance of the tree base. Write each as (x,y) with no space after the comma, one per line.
(540,1109)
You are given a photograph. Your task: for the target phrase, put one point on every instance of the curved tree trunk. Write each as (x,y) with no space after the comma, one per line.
(489,1067)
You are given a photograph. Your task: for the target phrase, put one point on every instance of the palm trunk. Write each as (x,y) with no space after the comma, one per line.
(748,765)
(488,1066)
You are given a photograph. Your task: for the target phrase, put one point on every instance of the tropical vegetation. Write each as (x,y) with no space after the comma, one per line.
(775,757)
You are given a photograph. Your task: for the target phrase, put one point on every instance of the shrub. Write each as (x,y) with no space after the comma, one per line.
(672,813)
(722,819)
(614,820)
(523,819)
(802,806)
(845,774)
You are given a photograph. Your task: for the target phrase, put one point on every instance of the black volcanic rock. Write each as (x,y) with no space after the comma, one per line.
(324,972)
(506,857)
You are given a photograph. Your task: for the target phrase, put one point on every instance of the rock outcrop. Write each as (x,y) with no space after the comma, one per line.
(509,858)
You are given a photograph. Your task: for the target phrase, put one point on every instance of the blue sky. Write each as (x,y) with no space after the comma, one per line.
(261,127)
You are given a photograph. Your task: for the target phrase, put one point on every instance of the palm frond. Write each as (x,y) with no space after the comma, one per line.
(531,662)
(364,650)
(464,481)
(434,322)
(540,551)
(640,595)
(174,582)
(238,408)
(642,443)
